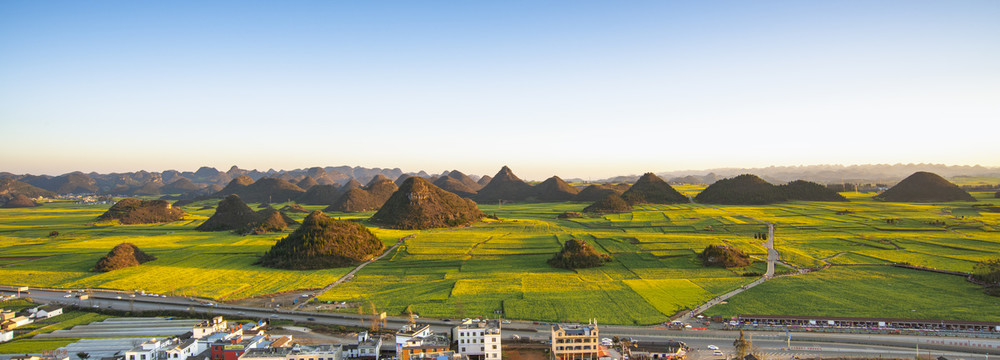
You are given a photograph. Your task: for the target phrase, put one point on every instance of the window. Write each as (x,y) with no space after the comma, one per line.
(131,357)
(494,347)
(143,356)
(463,349)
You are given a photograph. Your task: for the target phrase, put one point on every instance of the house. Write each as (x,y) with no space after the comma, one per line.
(418,339)
(182,350)
(668,350)
(409,332)
(6,315)
(447,355)
(575,342)
(208,327)
(315,352)
(6,336)
(367,348)
(16,322)
(47,311)
(284,341)
(233,347)
(269,353)
(478,340)
(148,350)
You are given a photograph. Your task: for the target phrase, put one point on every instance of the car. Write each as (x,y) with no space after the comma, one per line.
(311,319)
(109,307)
(305,295)
(95,306)
(445,319)
(506,322)
(68,295)
(118,297)
(713,347)
(717,352)
(274,315)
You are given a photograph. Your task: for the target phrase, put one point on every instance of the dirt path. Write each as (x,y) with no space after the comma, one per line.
(350,275)
(772,257)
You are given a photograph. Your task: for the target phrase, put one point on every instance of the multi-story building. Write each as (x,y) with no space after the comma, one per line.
(148,350)
(367,348)
(409,332)
(206,328)
(575,342)
(478,340)
(416,339)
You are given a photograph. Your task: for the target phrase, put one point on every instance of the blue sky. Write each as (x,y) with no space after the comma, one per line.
(571,88)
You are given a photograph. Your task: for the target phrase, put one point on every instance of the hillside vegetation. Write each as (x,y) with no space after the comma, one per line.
(129,211)
(321,242)
(418,204)
(578,254)
(122,256)
(924,187)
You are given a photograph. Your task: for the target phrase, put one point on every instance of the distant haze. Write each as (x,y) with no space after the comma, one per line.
(579,89)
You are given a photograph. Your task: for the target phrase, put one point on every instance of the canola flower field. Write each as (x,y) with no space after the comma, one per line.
(501,265)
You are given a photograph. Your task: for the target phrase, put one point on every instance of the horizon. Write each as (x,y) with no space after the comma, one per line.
(585,89)
(705,171)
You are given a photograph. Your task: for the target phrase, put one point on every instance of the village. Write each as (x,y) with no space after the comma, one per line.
(219,339)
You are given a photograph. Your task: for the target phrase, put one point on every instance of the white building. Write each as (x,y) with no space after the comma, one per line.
(478,340)
(148,349)
(208,327)
(367,348)
(182,350)
(6,336)
(410,332)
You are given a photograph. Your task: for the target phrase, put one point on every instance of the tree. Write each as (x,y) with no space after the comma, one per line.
(82,355)
(987,271)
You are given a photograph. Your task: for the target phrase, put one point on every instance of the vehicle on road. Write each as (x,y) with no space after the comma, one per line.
(713,347)
(717,352)
(311,319)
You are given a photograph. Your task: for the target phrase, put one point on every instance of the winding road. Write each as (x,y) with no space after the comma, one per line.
(350,275)
(772,258)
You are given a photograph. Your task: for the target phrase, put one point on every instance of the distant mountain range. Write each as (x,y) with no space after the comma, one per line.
(340,179)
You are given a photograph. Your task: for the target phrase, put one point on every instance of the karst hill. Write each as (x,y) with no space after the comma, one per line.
(600,191)
(19,201)
(369,198)
(578,254)
(748,189)
(234,214)
(418,204)
(269,190)
(554,189)
(458,183)
(924,187)
(504,186)
(610,204)
(130,211)
(321,242)
(122,256)
(651,189)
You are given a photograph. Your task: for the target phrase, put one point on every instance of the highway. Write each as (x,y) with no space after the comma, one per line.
(773,343)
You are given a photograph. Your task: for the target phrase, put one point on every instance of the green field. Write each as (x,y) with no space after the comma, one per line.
(500,265)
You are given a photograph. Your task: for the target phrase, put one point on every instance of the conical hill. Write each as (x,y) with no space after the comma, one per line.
(610,204)
(122,256)
(354,200)
(307,182)
(320,195)
(321,242)
(230,214)
(809,191)
(651,189)
(504,186)
(19,201)
(233,214)
(455,186)
(418,204)
(744,189)
(484,180)
(600,191)
(270,190)
(555,189)
(924,186)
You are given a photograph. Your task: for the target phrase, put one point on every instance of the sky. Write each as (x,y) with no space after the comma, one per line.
(576,88)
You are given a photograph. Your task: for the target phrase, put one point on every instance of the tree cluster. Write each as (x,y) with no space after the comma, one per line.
(577,254)
(122,256)
(130,211)
(321,242)
(724,256)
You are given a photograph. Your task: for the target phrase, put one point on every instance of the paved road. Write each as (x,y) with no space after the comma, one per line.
(350,275)
(772,257)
